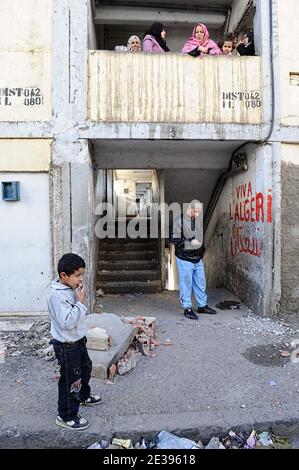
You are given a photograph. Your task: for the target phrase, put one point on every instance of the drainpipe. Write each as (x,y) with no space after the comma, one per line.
(231,171)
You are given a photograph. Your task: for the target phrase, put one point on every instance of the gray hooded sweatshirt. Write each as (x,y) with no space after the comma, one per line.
(68,316)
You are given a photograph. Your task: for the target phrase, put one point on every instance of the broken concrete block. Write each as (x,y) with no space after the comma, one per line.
(122,336)
(127,363)
(97,338)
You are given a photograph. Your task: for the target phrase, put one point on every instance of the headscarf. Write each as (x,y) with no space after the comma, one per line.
(193,42)
(129,47)
(155,31)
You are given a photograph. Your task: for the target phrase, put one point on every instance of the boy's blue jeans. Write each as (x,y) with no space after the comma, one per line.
(191,278)
(75,372)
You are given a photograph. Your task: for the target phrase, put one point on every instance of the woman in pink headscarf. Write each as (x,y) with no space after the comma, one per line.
(200,43)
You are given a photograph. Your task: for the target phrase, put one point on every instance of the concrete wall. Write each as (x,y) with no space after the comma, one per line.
(184,185)
(25,154)
(26,267)
(73,206)
(128,87)
(25,261)
(288,14)
(290,228)
(239,238)
(26,60)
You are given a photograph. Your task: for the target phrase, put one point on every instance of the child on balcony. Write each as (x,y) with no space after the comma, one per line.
(154,39)
(199,43)
(227,46)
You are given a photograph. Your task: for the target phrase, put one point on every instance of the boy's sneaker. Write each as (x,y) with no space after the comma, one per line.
(92,400)
(76,424)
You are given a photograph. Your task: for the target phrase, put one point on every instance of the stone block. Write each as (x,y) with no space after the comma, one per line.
(122,336)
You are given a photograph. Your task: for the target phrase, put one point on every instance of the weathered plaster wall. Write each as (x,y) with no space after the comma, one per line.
(229,90)
(239,238)
(184,185)
(25,154)
(288,14)
(290,228)
(25,260)
(26,60)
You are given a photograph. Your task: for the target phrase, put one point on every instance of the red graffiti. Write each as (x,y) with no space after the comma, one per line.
(242,244)
(250,209)
(253,209)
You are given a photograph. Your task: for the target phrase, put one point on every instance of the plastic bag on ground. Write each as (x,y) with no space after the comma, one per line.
(167,440)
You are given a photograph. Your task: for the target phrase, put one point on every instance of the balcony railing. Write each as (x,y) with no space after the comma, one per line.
(172,87)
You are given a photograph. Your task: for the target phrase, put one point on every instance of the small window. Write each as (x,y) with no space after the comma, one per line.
(11,190)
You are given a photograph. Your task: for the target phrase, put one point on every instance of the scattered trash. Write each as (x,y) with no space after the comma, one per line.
(95,445)
(250,442)
(122,443)
(285,353)
(35,342)
(167,342)
(167,440)
(243,406)
(228,305)
(213,444)
(271,382)
(265,439)
(200,445)
(104,444)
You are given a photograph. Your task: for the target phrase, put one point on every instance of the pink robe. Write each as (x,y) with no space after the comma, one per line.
(193,42)
(150,44)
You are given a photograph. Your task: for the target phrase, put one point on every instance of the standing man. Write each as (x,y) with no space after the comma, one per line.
(186,235)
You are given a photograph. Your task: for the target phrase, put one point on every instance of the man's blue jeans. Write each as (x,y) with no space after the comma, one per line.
(191,278)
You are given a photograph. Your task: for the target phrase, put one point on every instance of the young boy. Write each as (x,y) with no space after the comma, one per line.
(68,329)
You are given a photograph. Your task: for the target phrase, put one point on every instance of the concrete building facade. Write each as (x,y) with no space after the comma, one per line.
(223,130)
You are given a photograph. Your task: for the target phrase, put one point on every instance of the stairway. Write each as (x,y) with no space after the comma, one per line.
(128,266)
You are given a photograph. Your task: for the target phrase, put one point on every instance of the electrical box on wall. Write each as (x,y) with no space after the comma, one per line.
(10,190)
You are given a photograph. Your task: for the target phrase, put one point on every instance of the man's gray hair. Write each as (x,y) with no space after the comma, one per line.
(194,203)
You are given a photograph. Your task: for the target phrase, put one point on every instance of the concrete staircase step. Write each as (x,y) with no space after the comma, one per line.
(150,287)
(125,241)
(141,275)
(121,247)
(130,255)
(130,265)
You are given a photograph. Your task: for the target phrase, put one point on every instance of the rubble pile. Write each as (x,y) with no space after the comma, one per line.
(145,340)
(34,342)
(233,440)
(252,326)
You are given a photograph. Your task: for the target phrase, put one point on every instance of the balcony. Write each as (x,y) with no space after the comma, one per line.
(173,88)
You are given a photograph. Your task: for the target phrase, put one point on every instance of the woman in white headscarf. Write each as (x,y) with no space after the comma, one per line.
(134,44)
